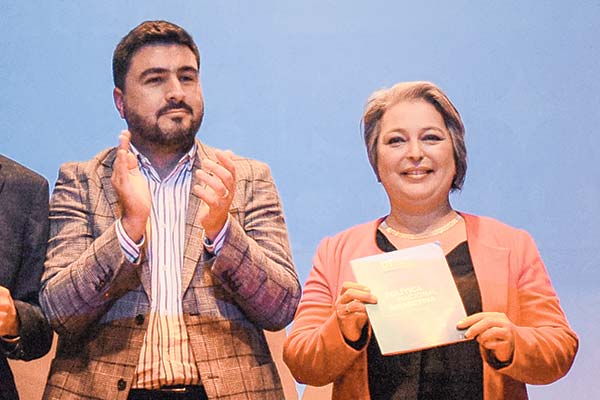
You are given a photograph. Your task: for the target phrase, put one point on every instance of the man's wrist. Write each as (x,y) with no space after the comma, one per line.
(214,246)
(132,249)
(134,227)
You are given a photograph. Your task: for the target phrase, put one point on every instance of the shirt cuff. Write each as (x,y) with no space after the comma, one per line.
(215,247)
(10,346)
(131,249)
(10,339)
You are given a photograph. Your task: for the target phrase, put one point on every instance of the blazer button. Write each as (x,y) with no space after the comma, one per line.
(139,319)
(121,385)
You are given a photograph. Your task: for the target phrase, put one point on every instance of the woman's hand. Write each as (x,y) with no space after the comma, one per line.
(494,331)
(351,311)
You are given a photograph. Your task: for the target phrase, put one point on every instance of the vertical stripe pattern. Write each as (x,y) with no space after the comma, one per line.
(166,357)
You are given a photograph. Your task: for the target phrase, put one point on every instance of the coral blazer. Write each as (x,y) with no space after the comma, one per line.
(512,279)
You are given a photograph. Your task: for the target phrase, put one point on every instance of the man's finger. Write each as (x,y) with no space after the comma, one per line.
(207,195)
(212,182)
(225,158)
(124,140)
(219,171)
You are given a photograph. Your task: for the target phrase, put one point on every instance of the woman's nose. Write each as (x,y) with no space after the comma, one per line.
(415,151)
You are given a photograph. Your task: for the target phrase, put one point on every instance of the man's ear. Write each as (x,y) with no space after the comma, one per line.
(119,102)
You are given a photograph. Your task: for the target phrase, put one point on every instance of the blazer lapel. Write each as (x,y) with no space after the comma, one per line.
(193,227)
(1,177)
(491,265)
(113,200)
(109,192)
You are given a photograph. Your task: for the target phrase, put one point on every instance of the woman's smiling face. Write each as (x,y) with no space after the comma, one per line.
(415,155)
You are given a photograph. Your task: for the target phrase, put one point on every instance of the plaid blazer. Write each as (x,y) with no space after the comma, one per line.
(98,301)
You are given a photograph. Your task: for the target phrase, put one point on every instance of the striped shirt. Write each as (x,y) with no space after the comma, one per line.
(166,357)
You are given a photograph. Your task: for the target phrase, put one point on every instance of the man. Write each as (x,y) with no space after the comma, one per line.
(167,258)
(24,332)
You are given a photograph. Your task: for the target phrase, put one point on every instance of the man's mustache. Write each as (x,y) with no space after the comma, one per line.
(175,106)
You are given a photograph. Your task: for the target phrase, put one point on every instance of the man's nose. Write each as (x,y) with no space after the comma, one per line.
(175,92)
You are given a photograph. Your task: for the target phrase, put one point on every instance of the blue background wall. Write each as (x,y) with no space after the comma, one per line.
(285,82)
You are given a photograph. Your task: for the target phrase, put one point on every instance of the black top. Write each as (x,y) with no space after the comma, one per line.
(454,371)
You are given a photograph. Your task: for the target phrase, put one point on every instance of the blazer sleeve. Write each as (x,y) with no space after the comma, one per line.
(34,331)
(255,263)
(85,270)
(315,350)
(545,344)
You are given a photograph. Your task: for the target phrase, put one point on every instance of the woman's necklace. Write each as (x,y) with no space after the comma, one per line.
(425,235)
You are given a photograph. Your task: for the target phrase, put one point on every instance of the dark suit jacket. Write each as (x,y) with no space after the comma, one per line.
(98,301)
(23,237)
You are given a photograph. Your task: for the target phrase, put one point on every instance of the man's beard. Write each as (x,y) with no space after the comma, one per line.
(177,138)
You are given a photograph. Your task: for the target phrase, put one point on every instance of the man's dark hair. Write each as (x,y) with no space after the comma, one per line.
(148,33)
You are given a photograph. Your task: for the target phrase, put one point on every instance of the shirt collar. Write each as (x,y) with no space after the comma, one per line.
(186,161)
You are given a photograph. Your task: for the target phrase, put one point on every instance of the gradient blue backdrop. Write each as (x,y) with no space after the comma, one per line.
(285,82)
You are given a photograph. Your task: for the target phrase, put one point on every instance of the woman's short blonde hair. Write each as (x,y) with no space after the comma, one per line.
(381,100)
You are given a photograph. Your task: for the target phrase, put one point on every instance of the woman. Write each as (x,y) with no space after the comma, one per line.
(415,142)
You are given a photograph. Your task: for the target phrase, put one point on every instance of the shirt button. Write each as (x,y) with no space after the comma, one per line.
(139,319)
(121,385)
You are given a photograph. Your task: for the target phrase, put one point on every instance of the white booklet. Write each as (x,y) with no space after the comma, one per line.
(418,302)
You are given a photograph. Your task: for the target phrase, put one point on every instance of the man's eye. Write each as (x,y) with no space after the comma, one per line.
(154,79)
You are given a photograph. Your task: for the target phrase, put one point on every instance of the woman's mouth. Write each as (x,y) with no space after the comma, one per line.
(416,172)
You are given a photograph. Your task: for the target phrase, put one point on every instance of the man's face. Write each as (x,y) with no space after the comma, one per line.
(162,98)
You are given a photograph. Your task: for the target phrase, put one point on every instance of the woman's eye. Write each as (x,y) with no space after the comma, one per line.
(396,139)
(432,138)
